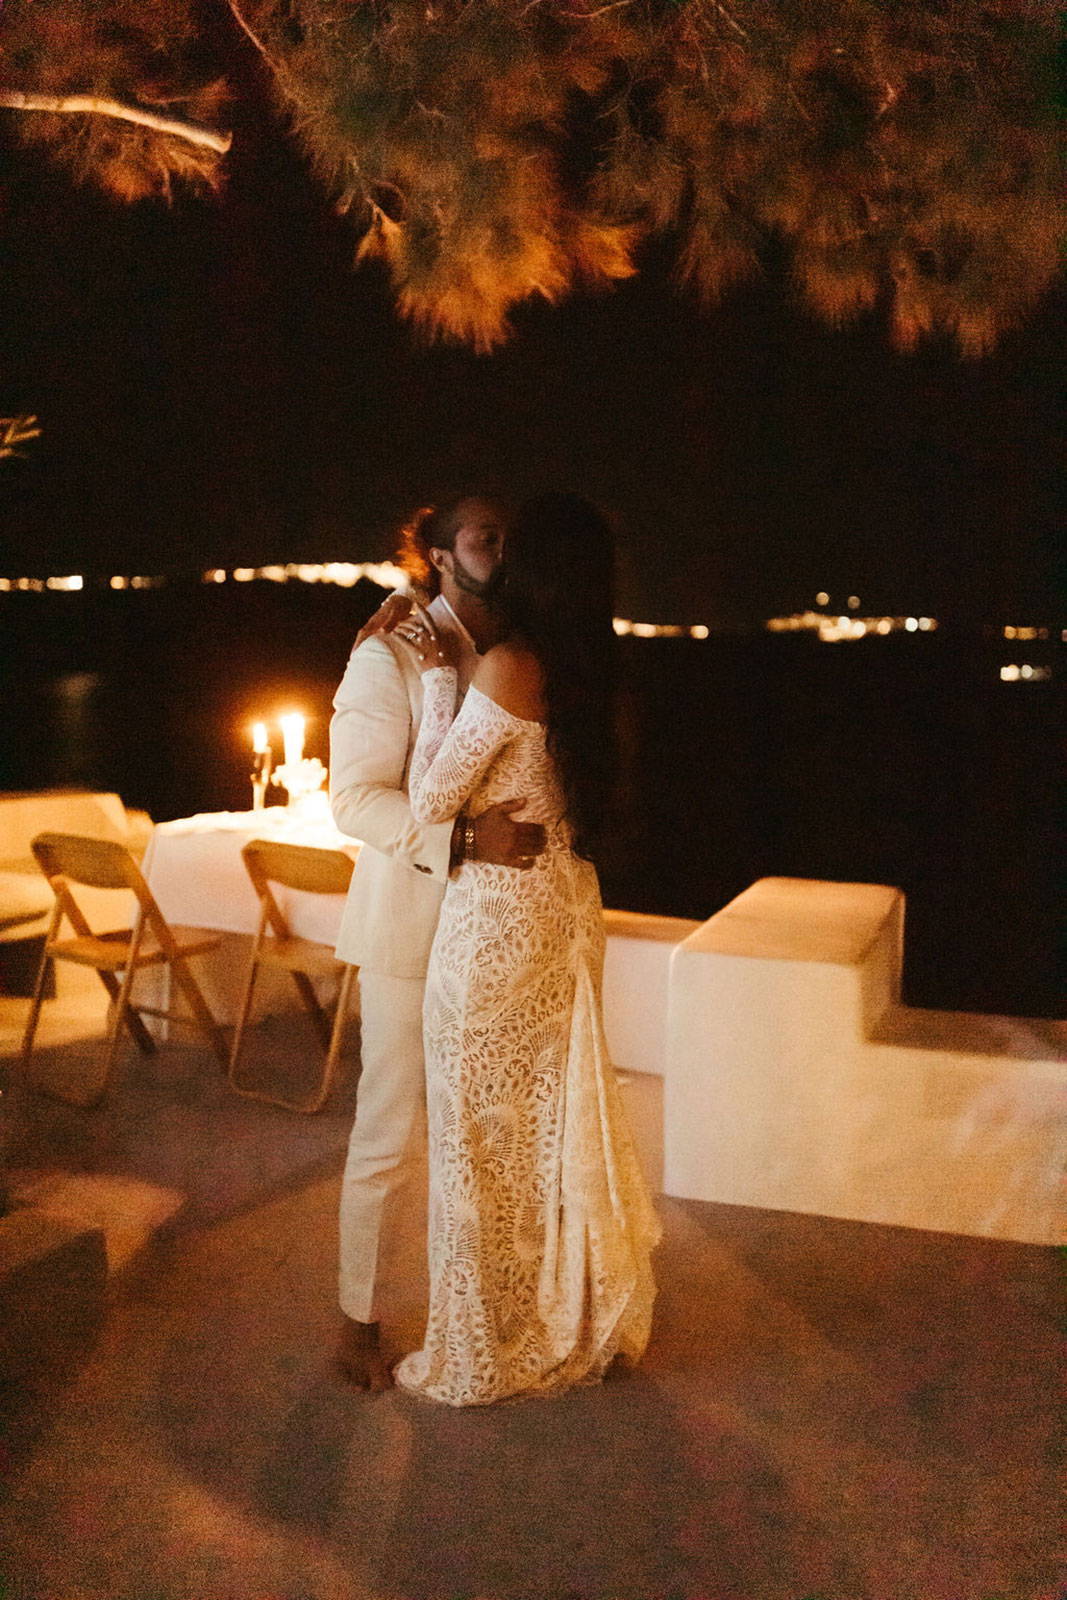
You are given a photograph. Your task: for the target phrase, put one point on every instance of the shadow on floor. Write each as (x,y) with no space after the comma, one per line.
(828,1410)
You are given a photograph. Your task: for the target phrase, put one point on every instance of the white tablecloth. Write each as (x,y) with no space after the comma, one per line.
(194,869)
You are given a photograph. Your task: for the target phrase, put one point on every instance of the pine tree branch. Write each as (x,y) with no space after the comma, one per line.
(15,431)
(729,18)
(587,16)
(254,37)
(15,100)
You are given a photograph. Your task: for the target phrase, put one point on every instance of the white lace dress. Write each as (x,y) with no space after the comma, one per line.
(541,1227)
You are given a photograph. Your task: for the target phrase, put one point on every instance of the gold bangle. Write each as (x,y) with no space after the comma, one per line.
(469,840)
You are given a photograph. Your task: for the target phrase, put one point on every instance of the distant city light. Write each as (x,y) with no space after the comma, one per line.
(829,628)
(658,630)
(832,629)
(1025,673)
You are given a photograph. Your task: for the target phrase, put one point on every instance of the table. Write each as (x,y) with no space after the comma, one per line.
(194,868)
(195,871)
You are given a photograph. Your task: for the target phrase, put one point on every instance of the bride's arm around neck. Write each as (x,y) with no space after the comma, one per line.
(511,674)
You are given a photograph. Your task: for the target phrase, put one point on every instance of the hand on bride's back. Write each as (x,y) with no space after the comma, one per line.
(504,841)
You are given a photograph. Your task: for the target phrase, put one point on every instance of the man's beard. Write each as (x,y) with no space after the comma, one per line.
(464,580)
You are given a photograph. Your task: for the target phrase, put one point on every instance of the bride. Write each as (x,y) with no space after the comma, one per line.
(541,1227)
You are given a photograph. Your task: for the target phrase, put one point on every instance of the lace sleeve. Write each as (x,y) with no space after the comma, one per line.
(451,756)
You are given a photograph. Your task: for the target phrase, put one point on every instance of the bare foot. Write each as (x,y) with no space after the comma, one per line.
(359,1356)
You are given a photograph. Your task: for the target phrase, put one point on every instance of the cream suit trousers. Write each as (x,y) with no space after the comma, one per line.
(390,1123)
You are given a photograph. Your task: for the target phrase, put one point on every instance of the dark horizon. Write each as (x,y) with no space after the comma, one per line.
(218,386)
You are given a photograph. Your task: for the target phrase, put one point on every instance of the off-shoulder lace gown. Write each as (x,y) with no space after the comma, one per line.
(541,1227)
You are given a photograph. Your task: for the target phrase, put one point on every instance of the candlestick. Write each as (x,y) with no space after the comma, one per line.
(262,762)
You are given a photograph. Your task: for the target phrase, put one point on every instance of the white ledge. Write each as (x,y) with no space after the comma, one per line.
(796,1080)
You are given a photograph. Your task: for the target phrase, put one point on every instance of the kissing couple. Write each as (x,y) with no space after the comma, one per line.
(471,753)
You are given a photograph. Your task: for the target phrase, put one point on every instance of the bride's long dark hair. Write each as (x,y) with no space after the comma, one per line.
(556,589)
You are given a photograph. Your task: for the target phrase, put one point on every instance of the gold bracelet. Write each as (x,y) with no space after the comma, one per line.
(469,841)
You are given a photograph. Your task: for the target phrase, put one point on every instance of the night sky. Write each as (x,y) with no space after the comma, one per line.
(218,386)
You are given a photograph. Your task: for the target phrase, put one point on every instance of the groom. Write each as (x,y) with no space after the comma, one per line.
(398,884)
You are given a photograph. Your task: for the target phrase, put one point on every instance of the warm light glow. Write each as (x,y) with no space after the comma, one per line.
(822,598)
(1025,674)
(832,629)
(853,602)
(345,573)
(259,738)
(293,725)
(66,583)
(658,630)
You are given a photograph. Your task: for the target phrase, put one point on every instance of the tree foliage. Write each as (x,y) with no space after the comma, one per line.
(493,150)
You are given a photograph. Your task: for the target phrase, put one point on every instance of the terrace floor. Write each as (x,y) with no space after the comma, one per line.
(828,1410)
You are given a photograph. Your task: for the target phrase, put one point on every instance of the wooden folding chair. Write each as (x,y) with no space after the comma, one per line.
(68,859)
(315,871)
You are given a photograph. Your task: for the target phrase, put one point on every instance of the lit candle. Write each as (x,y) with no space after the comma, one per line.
(293,735)
(259,738)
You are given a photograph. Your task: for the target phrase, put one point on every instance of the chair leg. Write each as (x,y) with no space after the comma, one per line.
(38,992)
(242,1019)
(311,1005)
(336,1037)
(333,1052)
(201,1010)
(121,1014)
(143,1039)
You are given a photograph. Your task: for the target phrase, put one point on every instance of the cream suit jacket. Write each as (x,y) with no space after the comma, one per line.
(399,879)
